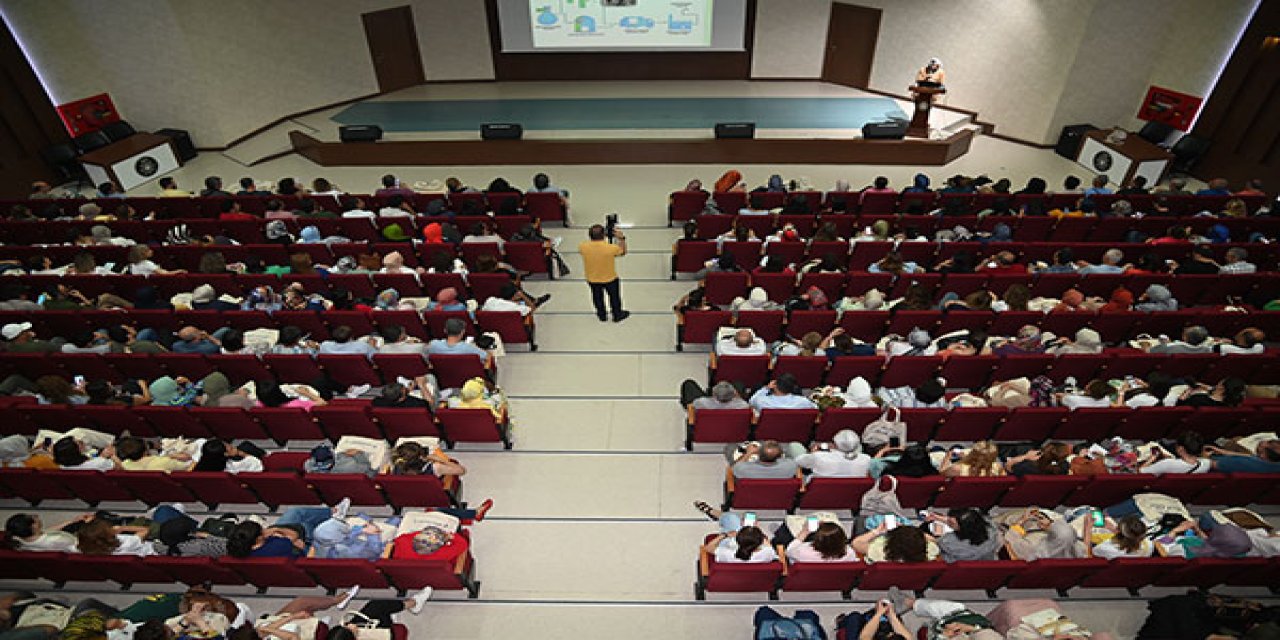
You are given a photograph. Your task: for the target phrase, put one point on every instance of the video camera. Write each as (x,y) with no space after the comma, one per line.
(610,224)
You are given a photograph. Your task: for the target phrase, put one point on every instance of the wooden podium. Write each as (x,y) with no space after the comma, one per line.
(138,159)
(1122,162)
(919,127)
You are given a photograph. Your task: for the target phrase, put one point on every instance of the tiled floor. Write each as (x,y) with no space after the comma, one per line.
(593,533)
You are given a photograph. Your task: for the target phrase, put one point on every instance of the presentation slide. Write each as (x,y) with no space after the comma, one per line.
(623,24)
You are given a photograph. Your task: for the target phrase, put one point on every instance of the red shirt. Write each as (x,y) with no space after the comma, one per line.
(237,216)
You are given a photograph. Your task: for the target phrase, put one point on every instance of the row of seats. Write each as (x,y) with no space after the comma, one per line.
(989,575)
(845,494)
(283,485)
(701,327)
(510,325)
(1190,290)
(690,204)
(530,257)
(970,424)
(1023,229)
(263,573)
(691,256)
(544,206)
(280,424)
(244,231)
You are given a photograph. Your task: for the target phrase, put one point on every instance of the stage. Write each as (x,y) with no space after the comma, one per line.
(620,123)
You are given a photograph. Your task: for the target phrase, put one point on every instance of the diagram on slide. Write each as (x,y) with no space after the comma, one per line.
(620,23)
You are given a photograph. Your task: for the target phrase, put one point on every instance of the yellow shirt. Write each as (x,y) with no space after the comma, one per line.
(597,260)
(174,193)
(156,463)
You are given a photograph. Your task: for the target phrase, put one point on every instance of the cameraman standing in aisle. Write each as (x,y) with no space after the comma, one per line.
(599,254)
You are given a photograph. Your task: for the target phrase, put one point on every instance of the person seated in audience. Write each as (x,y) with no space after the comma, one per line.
(511,298)
(391,187)
(1175,234)
(301,396)
(413,459)
(342,340)
(827,543)
(872,300)
(723,395)
(1136,186)
(1252,188)
(1228,392)
(879,185)
(756,460)
(755,206)
(959,183)
(1112,261)
(943,619)
(396,340)
(290,187)
(828,263)
(743,342)
(455,341)
(928,394)
(739,233)
(1098,187)
(324,459)
(101,537)
(20,338)
(1175,187)
(406,394)
(26,532)
(500,185)
(808,345)
(1249,340)
(137,454)
(131,393)
(757,300)
(919,184)
(972,535)
(1258,454)
(1200,262)
(1125,537)
(1003,262)
(1216,187)
(276,211)
(542,184)
(917,343)
(249,188)
(1086,340)
(1265,538)
(980,300)
(1149,263)
(893,263)
(1043,534)
(478,393)
(1028,341)
(1236,261)
(292,341)
(194,340)
(289,537)
(1121,300)
(213,188)
(218,455)
(1052,459)
(736,542)
(1195,339)
(842,458)
(1097,393)
(783,392)
(354,207)
(982,460)
(900,544)
(1186,458)
(140,263)
(396,206)
(1212,539)
(70,455)
(169,189)
(909,461)
(453,185)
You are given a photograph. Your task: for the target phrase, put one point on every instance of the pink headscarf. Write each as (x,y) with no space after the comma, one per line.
(447,295)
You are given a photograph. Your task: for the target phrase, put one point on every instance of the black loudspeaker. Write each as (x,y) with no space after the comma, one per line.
(501,131)
(888,130)
(1072,137)
(182,144)
(93,140)
(1155,132)
(1187,151)
(735,129)
(118,130)
(360,133)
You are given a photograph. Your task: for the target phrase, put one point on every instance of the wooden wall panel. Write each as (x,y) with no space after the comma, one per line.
(28,122)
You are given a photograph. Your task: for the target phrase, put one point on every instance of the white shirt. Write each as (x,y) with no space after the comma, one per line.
(731,348)
(1075,402)
(1231,348)
(144,268)
(834,464)
(1110,550)
(1264,545)
(495,303)
(729,547)
(1142,400)
(802,551)
(393,212)
(50,541)
(249,464)
(1177,465)
(93,464)
(132,545)
(359,213)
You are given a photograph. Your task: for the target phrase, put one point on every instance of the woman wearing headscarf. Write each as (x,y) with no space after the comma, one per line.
(858,395)
(173,392)
(730,181)
(756,300)
(389,300)
(1156,298)
(1072,300)
(394,263)
(446,300)
(775,184)
(1086,341)
(842,458)
(1028,341)
(475,394)
(1040,534)
(1121,301)
(277,232)
(920,184)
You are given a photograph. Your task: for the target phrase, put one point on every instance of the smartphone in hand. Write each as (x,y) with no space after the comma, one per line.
(811,523)
(749,519)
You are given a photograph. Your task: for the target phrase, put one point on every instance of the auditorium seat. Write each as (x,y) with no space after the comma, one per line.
(340,573)
(750,371)
(909,576)
(838,494)
(1054,573)
(785,425)
(767,325)
(736,577)
(987,575)
(473,425)
(751,493)
(821,576)
(215,488)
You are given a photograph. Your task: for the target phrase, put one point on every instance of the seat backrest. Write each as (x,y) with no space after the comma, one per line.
(743,577)
(834,493)
(786,425)
(823,576)
(414,491)
(510,325)
(751,371)
(403,423)
(904,575)
(268,572)
(470,425)
(277,488)
(340,573)
(751,493)
(216,487)
(721,425)
(337,420)
(334,487)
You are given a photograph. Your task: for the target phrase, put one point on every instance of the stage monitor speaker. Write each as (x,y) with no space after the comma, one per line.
(501,131)
(183,147)
(888,130)
(735,130)
(1155,132)
(1072,137)
(360,133)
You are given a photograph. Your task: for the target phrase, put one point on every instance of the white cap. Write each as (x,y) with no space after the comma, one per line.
(14,329)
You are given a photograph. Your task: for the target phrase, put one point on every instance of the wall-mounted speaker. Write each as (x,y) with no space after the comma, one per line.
(735,130)
(501,131)
(887,130)
(360,133)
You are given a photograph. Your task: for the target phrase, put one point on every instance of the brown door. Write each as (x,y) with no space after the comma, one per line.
(393,45)
(851,45)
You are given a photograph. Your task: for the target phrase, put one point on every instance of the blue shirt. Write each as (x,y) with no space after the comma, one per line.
(276,547)
(764,399)
(439,346)
(1244,464)
(1213,192)
(1101,268)
(1097,191)
(195,346)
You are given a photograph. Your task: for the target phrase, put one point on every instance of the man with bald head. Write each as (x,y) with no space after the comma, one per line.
(194,340)
(743,342)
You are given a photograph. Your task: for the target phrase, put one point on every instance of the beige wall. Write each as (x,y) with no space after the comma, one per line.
(221,69)
(1028,66)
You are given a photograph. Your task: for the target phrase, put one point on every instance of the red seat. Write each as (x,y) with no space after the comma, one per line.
(909,370)
(401,365)
(333,487)
(454,369)
(753,493)
(402,423)
(802,322)
(1254,572)
(418,491)
(779,286)
(90,365)
(410,321)
(1187,487)
(280,488)
(908,576)
(786,425)
(722,287)
(124,570)
(1055,573)
(229,423)
(342,573)
(135,366)
(987,575)
(686,205)
(1090,423)
(718,425)
(1215,422)
(473,425)
(90,486)
(833,493)
(1021,366)
(349,369)
(700,327)
(970,424)
(1082,367)
(751,371)
(241,368)
(549,207)
(1030,423)
(691,256)
(57,417)
(288,423)
(823,576)
(337,420)
(172,421)
(846,368)
(903,322)
(917,492)
(1132,573)
(512,327)
(1152,423)
(836,419)
(1105,490)
(736,577)
(831,284)
(435,321)
(265,573)
(1201,572)
(1042,490)
(432,283)
(971,491)
(214,488)
(921,423)
(34,486)
(194,570)
(747,254)
(767,325)
(808,370)
(152,487)
(1240,489)
(528,257)
(294,368)
(867,326)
